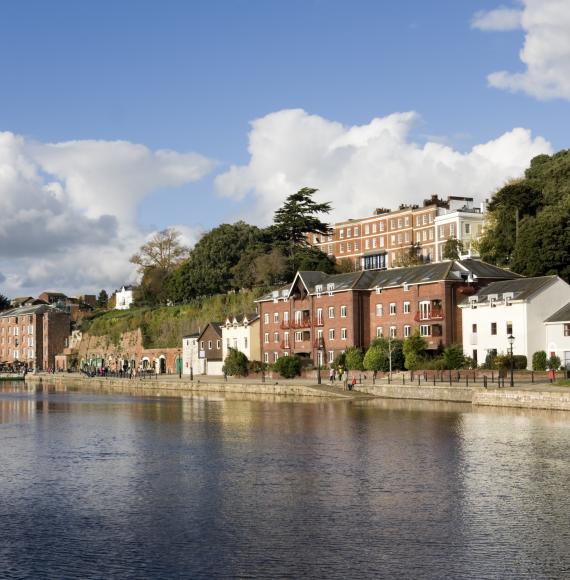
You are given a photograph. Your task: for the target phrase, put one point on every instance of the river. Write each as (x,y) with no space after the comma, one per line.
(102,485)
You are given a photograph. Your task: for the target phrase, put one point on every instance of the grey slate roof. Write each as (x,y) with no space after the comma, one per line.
(454,270)
(23,310)
(562,315)
(521,288)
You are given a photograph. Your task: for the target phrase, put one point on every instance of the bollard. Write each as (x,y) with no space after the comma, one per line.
(485,381)
(532,377)
(466,379)
(418,380)
(403,379)
(450,378)
(492,376)
(434,379)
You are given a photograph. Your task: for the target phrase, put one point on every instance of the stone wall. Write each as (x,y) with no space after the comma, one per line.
(430,393)
(553,400)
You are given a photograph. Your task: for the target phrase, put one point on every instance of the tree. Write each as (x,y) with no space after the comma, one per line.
(452,249)
(236,363)
(102,299)
(453,357)
(391,349)
(296,219)
(163,251)
(344,266)
(553,363)
(376,359)
(414,350)
(4,303)
(410,257)
(288,367)
(354,359)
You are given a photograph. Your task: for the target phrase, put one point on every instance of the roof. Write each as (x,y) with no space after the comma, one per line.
(562,315)
(521,288)
(252,317)
(217,326)
(451,270)
(60,294)
(23,310)
(193,335)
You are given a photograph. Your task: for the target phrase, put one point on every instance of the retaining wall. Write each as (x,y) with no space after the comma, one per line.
(552,400)
(424,392)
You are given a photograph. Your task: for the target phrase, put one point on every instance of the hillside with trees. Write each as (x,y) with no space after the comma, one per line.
(529,220)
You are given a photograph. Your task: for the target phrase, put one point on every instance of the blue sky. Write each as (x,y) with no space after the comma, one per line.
(190,76)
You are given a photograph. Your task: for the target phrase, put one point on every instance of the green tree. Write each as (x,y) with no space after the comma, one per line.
(453,357)
(394,349)
(4,303)
(296,219)
(452,249)
(102,299)
(539,360)
(376,359)
(288,367)
(414,350)
(553,363)
(354,359)
(236,363)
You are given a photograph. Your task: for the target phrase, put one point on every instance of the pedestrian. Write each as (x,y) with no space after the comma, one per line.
(352,383)
(331,376)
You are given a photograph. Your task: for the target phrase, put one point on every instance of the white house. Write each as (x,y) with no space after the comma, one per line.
(461,221)
(558,335)
(516,307)
(124,298)
(242,333)
(192,363)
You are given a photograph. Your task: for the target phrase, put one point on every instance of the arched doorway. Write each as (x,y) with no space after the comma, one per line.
(162,365)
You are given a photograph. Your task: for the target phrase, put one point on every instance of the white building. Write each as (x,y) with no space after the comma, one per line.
(242,333)
(461,221)
(124,298)
(558,335)
(516,307)
(192,363)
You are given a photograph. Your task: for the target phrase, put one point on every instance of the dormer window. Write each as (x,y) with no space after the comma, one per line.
(508,296)
(378,289)
(330,288)
(492,300)
(406,287)
(319,290)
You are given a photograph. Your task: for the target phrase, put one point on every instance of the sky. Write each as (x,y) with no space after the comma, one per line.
(118,119)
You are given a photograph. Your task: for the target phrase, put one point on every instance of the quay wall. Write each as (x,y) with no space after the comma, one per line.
(552,400)
(424,392)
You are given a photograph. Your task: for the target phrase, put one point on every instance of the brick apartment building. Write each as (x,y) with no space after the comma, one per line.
(383,239)
(319,316)
(33,335)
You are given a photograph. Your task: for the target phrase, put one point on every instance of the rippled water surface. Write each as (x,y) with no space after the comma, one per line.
(96,485)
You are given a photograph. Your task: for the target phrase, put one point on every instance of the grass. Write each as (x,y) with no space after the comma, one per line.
(563,383)
(164,327)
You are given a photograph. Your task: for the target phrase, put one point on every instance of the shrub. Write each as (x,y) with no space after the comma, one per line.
(539,361)
(414,350)
(256,366)
(490,361)
(520,362)
(553,363)
(453,357)
(376,359)
(353,359)
(236,363)
(288,367)
(339,362)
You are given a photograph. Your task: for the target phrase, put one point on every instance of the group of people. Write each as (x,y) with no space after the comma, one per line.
(333,378)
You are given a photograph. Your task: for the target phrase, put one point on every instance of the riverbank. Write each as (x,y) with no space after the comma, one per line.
(11,377)
(535,396)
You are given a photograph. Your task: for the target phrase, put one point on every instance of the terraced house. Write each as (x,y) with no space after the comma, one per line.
(319,316)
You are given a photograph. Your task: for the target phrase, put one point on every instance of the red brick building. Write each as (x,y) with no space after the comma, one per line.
(33,335)
(335,312)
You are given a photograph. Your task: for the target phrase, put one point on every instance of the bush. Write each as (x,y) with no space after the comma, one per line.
(353,359)
(236,364)
(414,350)
(490,361)
(553,363)
(539,361)
(288,367)
(256,366)
(520,362)
(453,357)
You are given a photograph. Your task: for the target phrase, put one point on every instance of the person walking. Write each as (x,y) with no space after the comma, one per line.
(352,383)
(331,376)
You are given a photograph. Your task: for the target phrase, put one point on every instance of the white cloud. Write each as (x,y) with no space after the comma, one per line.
(360,168)
(545,54)
(498,19)
(68,209)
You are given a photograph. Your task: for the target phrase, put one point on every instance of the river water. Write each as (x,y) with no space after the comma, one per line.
(101,485)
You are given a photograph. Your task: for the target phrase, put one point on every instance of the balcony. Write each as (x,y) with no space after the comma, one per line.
(429,314)
(285,345)
(302,323)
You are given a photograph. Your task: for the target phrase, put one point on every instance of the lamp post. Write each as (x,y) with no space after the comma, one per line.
(511,340)
(179,364)
(319,359)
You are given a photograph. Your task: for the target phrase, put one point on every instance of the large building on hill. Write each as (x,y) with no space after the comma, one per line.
(387,237)
(319,316)
(33,335)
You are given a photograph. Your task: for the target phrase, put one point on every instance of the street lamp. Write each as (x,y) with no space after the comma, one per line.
(179,364)
(511,340)
(319,358)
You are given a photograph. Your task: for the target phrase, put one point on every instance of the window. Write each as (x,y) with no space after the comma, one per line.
(342,248)
(266,338)
(425,235)
(425,330)
(319,316)
(330,288)
(366,229)
(209,345)
(467,228)
(356,231)
(399,238)
(424,219)
(201,345)
(356,246)
(331,311)
(331,356)
(393,239)
(275,356)
(286,317)
(381,239)
(431,234)
(379,309)
(367,244)
(452,230)
(418,221)
(407,221)
(393,332)
(399,223)
(441,232)
(509,327)
(406,237)
(374,242)
(343,311)
(406,307)
(245,342)
(331,334)
(341,234)
(493,328)
(275,337)
(298,336)
(219,344)
(392,308)
(348,232)
(424,310)
(566,329)
(382,226)
(286,339)
(266,318)
(474,328)
(374,228)
(379,332)
(407,330)
(276,317)
(343,334)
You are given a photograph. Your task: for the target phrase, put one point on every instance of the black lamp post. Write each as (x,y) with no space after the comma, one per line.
(511,340)
(179,364)
(320,347)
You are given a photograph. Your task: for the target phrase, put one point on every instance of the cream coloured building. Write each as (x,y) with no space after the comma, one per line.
(242,333)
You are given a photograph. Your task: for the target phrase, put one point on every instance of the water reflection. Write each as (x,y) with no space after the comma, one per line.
(100,485)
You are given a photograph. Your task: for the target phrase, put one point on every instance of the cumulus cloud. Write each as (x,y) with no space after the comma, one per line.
(546,50)
(68,209)
(360,168)
(499,19)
